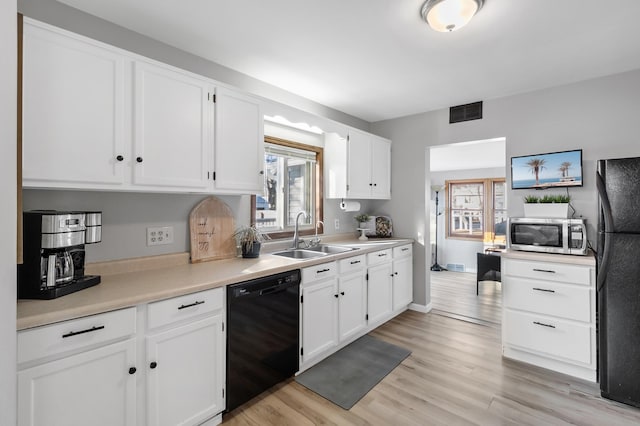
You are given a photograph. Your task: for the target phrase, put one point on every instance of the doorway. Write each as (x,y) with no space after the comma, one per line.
(471,181)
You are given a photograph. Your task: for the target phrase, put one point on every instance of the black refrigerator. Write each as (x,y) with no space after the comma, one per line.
(618,279)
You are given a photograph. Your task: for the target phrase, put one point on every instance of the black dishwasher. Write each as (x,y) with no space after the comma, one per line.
(263,318)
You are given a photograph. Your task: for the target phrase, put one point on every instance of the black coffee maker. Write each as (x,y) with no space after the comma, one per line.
(54,253)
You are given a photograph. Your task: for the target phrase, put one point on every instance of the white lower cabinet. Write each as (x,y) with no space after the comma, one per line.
(379,286)
(79,372)
(549,314)
(352,297)
(402,276)
(185,367)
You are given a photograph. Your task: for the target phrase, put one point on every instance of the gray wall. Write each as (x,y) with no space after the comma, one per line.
(8,212)
(452,250)
(600,116)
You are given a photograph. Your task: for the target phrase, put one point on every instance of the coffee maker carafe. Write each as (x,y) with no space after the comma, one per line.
(54,252)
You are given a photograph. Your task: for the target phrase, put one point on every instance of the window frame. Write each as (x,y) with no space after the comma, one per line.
(488,209)
(319,187)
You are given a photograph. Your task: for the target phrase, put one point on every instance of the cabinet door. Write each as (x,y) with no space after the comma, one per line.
(359,165)
(172,138)
(352,304)
(239,142)
(73,111)
(379,293)
(319,318)
(402,283)
(90,388)
(185,373)
(380,168)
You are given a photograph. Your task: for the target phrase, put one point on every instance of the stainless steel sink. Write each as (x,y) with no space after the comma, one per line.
(300,253)
(331,249)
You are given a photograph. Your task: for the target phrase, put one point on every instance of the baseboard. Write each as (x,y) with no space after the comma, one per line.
(420,308)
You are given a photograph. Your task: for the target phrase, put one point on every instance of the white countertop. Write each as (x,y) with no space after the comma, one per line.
(120,290)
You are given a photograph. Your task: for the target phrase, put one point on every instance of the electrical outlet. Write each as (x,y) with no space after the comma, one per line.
(336,224)
(159,235)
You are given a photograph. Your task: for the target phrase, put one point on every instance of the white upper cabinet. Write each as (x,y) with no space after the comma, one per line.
(73,110)
(358,166)
(172,138)
(239,147)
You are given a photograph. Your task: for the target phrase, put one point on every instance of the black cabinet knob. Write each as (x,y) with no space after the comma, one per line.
(132,370)
(139,159)
(119,158)
(153,365)
(370,184)
(261,172)
(375,184)
(342,293)
(335,295)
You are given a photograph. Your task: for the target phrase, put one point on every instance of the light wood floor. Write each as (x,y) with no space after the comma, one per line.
(454,376)
(455,292)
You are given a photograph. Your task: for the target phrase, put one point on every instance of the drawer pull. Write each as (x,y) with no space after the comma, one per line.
(353,262)
(382,254)
(549,271)
(544,325)
(88,330)
(322,270)
(544,289)
(132,370)
(196,303)
(335,295)
(342,293)
(405,249)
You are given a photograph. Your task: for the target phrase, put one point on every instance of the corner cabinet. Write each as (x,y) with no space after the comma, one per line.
(358,167)
(99,117)
(549,312)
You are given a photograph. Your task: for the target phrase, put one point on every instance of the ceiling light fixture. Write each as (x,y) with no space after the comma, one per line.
(449,15)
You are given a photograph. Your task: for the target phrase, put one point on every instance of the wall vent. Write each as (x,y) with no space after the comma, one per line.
(460,113)
(455,267)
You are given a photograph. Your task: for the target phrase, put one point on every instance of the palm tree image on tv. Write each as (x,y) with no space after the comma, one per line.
(536,165)
(550,170)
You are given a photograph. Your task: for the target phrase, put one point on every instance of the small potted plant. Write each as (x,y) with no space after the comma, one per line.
(250,240)
(362,220)
(547,206)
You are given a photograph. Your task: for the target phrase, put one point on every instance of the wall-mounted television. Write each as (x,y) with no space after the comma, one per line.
(549,170)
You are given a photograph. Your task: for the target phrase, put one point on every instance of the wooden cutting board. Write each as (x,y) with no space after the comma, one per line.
(212,225)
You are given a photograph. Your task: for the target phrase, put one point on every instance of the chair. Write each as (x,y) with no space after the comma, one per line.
(488,268)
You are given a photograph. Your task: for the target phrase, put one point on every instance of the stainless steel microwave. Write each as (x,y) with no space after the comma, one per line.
(553,235)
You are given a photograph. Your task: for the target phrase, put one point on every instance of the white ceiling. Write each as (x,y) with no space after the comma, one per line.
(377,59)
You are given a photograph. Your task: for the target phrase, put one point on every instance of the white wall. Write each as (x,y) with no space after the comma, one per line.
(8,212)
(451,250)
(600,116)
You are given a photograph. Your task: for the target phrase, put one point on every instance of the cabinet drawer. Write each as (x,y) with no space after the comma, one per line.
(75,334)
(319,272)
(549,298)
(379,256)
(548,271)
(184,307)
(550,336)
(351,264)
(403,251)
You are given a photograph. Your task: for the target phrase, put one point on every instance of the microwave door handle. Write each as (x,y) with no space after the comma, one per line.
(605,205)
(565,234)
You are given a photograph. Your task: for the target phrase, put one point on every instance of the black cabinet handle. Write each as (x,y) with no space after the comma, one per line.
(139,159)
(335,295)
(354,262)
(120,158)
(322,270)
(544,270)
(88,330)
(132,370)
(153,365)
(405,249)
(196,303)
(544,289)
(544,325)
(382,254)
(342,293)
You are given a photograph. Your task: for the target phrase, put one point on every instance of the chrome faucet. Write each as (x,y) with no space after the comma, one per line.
(296,238)
(316,240)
